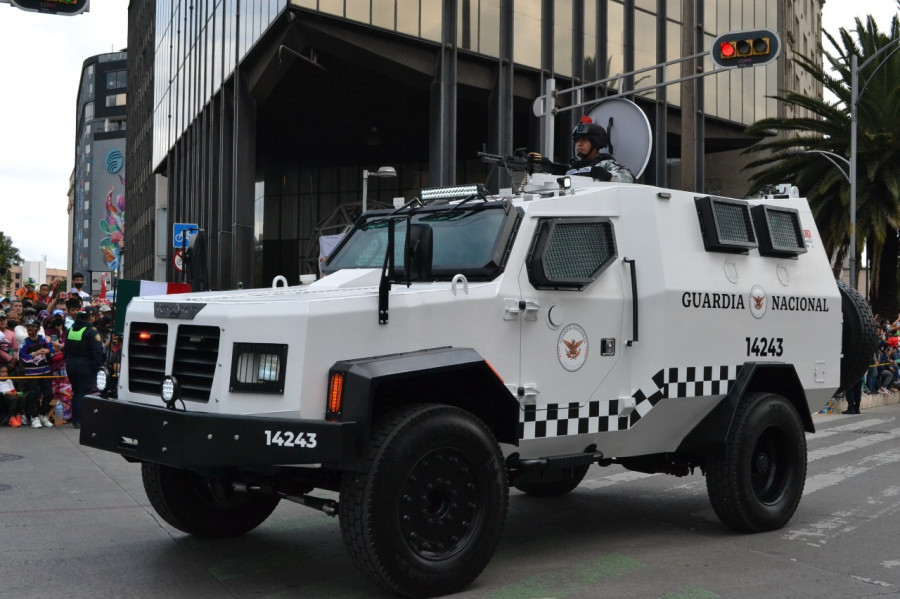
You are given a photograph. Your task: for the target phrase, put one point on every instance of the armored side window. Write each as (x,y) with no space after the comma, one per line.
(570,253)
(780,234)
(726,225)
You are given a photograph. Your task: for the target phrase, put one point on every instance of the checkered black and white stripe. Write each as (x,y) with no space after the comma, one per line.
(602,416)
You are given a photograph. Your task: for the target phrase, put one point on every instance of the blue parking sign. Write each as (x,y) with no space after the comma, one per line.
(182,233)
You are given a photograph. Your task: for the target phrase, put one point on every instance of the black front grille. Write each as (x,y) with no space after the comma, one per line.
(196,352)
(147,356)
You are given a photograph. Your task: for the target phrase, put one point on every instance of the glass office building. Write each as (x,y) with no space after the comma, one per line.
(97,209)
(260,117)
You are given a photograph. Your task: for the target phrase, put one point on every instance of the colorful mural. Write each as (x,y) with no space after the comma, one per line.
(113,227)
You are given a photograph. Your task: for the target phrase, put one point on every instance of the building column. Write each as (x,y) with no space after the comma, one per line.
(500,111)
(442,128)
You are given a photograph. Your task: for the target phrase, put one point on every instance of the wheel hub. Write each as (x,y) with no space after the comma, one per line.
(763,464)
(770,470)
(438,504)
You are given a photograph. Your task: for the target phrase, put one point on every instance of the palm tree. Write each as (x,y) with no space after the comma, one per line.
(827,129)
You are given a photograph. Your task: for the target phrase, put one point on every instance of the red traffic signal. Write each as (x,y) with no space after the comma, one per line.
(739,49)
(54,7)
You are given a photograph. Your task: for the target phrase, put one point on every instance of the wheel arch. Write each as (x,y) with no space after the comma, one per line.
(715,429)
(458,377)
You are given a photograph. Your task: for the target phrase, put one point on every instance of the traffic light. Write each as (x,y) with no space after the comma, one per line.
(739,49)
(54,7)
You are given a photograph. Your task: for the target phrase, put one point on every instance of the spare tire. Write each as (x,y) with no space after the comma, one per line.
(858,340)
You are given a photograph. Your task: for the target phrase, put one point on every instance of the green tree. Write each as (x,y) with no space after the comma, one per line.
(824,126)
(9,256)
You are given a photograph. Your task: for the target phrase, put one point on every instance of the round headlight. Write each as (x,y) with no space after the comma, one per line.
(102,379)
(169,390)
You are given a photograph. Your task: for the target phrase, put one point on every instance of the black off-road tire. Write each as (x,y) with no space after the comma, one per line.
(859,337)
(553,488)
(191,504)
(425,517)
(756,482)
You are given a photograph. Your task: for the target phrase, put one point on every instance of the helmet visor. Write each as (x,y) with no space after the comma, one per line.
(581,129)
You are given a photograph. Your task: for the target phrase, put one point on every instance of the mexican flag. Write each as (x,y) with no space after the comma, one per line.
(128,289)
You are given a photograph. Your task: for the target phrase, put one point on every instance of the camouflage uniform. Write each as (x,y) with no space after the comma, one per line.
(603,167)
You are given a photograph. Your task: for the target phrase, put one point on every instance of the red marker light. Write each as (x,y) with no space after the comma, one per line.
(727,49)
(144,336)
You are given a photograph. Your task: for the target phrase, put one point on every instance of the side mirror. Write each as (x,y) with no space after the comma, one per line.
(418,253)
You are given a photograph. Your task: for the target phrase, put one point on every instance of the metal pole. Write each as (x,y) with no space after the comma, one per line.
(548,116)
(365,188)
(854,81)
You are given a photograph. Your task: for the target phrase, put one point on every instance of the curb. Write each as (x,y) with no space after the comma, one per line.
(836,406)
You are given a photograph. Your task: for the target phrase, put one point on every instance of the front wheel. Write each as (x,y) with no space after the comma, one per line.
(756,482)
(425,517)
(201,506)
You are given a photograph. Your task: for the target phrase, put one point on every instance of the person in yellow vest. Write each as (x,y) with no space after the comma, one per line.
(84,357)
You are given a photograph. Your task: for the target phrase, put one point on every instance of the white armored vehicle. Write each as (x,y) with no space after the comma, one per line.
(469,343)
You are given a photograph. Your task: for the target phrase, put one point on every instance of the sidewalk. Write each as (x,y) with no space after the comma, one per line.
(869,401)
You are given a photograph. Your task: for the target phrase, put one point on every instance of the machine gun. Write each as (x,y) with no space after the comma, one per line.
(522,161)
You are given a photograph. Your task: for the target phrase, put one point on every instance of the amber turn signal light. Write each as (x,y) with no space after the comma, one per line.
(335,391)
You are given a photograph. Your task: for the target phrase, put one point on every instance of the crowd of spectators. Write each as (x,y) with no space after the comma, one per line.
(34,326)
(883,376)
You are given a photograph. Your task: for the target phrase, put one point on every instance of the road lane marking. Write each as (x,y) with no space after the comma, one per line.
(692,593)
(613,479)
(870,581)
(844,428)
(842,522)
(864,440)
(839,475)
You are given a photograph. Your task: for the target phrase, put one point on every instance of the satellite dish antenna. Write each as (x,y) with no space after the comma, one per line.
(630,136)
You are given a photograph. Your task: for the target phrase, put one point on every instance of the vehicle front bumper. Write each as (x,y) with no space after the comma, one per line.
(197,440)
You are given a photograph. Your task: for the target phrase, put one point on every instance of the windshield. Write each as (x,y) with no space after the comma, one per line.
(471,241)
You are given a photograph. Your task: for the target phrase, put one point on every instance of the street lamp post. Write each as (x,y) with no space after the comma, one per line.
(830,157)
(384,171)
(855,94)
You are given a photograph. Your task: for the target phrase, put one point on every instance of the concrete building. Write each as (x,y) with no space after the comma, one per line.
(253,122)
(31,268)
(97,193)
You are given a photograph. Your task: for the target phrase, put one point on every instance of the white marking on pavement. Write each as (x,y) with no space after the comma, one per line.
(891,564)
(842,522)
(855,425)
(864,440)
(614,479)
(870,581)
(839,475)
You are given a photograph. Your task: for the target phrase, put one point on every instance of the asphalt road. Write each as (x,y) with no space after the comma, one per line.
(75,522)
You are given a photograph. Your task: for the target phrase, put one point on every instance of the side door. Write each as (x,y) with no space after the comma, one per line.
(572,287)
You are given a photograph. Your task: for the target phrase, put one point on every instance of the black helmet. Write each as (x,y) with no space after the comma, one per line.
(587,129)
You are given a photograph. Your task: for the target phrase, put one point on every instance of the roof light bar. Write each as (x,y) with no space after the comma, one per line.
(458,192)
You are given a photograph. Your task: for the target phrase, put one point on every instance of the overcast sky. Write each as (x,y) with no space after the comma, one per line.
(41,65)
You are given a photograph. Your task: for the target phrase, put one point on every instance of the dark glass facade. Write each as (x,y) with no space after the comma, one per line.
(266,156)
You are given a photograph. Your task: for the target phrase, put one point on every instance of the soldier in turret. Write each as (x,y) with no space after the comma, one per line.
(590,138)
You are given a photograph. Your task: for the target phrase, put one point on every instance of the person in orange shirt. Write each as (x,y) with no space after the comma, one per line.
(27,291)
(43,295)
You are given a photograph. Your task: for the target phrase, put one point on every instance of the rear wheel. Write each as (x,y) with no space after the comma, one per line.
(756,482)
(201,506)
(425,517)
(858,337)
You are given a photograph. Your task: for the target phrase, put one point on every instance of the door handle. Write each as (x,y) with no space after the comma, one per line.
(634,301)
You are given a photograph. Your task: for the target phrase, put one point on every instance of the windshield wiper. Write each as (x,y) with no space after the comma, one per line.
(387,217)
